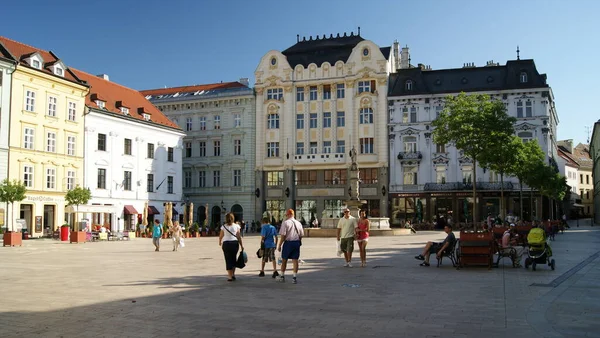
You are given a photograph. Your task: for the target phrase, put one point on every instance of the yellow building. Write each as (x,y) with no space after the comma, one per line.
(46,134)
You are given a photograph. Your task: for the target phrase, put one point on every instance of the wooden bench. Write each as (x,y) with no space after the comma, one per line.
(450,253)
(476,248)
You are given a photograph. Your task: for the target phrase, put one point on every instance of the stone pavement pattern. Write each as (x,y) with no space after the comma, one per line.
(125,289)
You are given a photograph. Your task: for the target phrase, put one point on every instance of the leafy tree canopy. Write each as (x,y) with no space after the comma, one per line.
(78,196)
(12,191)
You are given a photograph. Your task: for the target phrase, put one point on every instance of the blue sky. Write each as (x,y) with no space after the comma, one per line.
(151,43)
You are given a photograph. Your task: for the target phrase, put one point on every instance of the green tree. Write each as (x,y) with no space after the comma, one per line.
(11,192)
(549,182)
(527,166)
(78,196)
(472,123)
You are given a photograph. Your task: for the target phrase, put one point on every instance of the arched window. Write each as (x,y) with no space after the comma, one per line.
(523,77)
(409,85)
(526,136)
(273,121)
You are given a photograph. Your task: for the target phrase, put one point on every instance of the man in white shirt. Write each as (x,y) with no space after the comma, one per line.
(291,234)
(346,229)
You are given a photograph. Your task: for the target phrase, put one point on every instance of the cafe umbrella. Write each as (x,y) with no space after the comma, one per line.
(419,211)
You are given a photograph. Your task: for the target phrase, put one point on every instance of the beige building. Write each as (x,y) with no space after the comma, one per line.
(581,153)
(46,134)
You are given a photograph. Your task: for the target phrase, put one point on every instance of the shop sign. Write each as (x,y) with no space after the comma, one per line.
(43,199)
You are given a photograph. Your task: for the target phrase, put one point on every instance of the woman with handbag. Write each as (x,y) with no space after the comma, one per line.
(230,241)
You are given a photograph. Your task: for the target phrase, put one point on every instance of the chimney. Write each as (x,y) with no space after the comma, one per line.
(245,81)
(103,76)
(396,53)
(404,58)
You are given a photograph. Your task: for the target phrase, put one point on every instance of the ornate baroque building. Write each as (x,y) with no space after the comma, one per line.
(315,101)
(218,149)
(437,178)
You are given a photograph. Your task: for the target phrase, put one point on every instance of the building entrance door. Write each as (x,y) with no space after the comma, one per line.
(26,213)
(49,211)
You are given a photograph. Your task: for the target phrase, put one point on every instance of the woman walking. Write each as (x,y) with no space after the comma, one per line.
(231,241)
(362,232)
(176,234)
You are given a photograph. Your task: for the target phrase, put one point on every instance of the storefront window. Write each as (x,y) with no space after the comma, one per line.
(277,210)
(372,208)
(333,208)
(305,211)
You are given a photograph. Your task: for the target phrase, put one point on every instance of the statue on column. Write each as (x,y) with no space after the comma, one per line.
(354,176)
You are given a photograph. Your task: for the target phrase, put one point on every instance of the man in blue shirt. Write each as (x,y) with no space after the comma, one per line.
(268,236)
(156,233)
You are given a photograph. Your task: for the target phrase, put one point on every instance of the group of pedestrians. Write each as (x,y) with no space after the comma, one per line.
(176,234)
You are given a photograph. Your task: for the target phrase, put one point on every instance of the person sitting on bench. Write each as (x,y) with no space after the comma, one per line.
(509,247)
(436,247)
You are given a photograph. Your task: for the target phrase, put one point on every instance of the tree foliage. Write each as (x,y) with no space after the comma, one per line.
(11,192)
(78,196)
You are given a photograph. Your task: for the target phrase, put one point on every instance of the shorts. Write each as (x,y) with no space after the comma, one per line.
(435,247)
(363,240)
(291,250)
(347,244)
(268,255)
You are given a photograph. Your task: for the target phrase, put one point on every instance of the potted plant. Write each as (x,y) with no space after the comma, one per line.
(165,233)
(196,229)
(77,196)
(11,192)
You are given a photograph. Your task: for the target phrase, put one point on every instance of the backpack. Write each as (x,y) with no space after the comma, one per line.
(536,236)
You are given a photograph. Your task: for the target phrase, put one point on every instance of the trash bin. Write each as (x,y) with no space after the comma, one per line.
(24,233)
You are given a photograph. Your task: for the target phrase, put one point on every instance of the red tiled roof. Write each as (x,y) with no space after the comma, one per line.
(112,93)
(188,89)
(567,157)
(20,51)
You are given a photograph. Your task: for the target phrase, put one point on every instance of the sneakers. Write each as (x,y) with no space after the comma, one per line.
(275,274)
(346,264)
(349,265)
(281,279)
(294,280)
(261,274)
(420,257)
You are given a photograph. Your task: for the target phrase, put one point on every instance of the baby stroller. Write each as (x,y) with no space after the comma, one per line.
(539,251)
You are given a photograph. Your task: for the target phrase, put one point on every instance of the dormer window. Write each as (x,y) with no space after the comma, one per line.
(125,110)
(408,85)
(59,71)
(523,77)
(100,104)
(146,117)
(36,64)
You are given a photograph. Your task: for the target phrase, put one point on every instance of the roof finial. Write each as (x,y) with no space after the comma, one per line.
(297,37)
(358,30)
(518,51)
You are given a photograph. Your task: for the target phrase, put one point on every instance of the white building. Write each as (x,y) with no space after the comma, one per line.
(133,155)
(437,176)
(7,67)
(569,168)
(315,101)
(218,159)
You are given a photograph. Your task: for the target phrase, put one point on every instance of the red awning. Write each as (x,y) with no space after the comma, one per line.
(152,210)
(129,210)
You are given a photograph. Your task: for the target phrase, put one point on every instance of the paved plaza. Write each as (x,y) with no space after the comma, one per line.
(125,289)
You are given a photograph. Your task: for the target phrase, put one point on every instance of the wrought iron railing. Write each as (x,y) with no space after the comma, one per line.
(467,186)
(410,155)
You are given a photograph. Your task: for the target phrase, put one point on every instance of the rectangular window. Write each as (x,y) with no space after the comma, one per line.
(313,148)
(72,111)
(127,146)
(272,149)
(217,122)
(170,154)
(51,178)
(188,124)
(580,177)
(341,119)
(150,183)
(188,149)
(51,142)
(440,174)
(364,86)
(341,147)
(70,180)
(30,101)
(440,148)
(300,94)
(341,91)
(203,123)
(368,175)
(102,142)
(216,148)
(313,120)
(528,109)
(202,149)
(326,147)
(127,181)
(101,179)
(237,120)
(51,106)
(336,176)
(237,178)
(237,147)
(413,115)
(274,178)
(306,177)
(300,148)
(405,115)
(28,176)
(366,116)
(187,179)
(326,92)
(519,109)
(216,178)
(273,121)
(587,179)
(150,150)
(299,121)
(410,175)
(327,120)
(169,184)
(366,145)
(71,145)
(275,94)
(438,111)
(467,172)
(28,138)
(313,93)
(202,179)
(410,144)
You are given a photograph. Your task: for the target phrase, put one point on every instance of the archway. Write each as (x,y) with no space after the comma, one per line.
(201,215)
(215,216)
(238,212)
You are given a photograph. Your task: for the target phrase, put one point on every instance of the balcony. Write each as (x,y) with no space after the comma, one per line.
(455,186)
(410,156)
(406,187)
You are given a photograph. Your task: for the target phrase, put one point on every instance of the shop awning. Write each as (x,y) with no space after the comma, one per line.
(152,210)
(129,210)
(106,209)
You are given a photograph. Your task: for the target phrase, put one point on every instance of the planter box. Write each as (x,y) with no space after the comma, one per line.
(78,236)
(12,238)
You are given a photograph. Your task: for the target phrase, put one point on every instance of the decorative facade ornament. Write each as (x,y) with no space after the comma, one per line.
(525,126)
(465,160)
(409,131)
(441,159)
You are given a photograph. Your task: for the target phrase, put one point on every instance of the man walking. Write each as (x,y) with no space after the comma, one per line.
(291,234)
(346,229)
(156,233)
(268,238)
